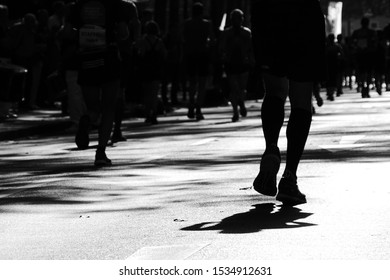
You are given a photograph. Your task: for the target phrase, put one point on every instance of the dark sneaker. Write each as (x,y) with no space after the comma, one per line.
(366,92)
(235,117)
(101,159)
(243,111)
(191,113)
(289,193)
(320,101)
(82,135)
(117,137)
(199,116)
(265,182)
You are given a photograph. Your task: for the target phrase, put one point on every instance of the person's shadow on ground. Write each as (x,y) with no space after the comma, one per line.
(262,216)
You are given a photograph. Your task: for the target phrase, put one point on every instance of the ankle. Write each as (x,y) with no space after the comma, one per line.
(288,174)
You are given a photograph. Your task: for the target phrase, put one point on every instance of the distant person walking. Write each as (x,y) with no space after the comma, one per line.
(101,24)
(197,39)
(289,45)
(334,53)
(151,54)
(364,40)
(237,56)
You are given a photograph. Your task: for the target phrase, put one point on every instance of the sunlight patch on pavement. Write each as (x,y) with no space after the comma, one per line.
(204,141)
(351,139)
(346,142)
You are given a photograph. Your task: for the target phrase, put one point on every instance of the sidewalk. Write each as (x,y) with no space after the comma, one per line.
(35,122)
(44,121)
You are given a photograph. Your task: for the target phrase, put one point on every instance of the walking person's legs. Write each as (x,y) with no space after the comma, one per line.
(272,116)
(242,84)
(120,105)
(200,97)
(151,89)
(91,95)
(233,95)
(192,89)
(297,133)
(110,93)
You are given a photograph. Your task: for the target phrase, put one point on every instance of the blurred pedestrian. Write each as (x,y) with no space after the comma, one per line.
(237,57)
(151,57)
(333,65)
(172,67)
(100,24)
(364,42)
(198,38)
(380,61)
(289,45)
(28,52)
(68,40)
(126,49)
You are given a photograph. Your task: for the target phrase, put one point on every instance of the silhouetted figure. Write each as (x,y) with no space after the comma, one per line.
(346,62)
(364,41)
(151,56)
(126,49)
(5,107)
(68,41)
(28,52)
(237,56)
(172,68)
(197,40)
(101,24)
(341,64)
(289,45)
(333,66)
(380,61)
(386,35)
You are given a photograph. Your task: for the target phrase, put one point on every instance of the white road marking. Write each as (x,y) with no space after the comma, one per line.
(172,252)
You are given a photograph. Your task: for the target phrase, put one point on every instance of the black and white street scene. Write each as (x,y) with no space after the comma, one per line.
(194,130)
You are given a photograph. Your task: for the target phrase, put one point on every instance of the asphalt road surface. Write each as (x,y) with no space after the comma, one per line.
(182,190)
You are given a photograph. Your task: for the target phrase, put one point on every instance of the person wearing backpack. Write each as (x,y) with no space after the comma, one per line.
(151,54)
(237,56)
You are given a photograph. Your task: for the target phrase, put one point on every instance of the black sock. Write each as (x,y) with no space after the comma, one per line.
(272,116)
(297,132)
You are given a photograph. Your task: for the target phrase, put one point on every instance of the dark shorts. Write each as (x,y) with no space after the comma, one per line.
(197,64)
(289,38)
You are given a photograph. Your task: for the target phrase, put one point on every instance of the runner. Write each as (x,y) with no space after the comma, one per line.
(289,45)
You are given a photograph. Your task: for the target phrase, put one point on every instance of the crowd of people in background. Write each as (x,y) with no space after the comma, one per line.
(153,68)
(360,61)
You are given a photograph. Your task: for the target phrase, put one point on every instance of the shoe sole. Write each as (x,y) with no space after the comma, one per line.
(102,163)
(265,182)
(290,200)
